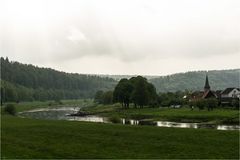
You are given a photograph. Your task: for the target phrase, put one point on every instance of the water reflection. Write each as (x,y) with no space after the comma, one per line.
(177,125)
(64,112)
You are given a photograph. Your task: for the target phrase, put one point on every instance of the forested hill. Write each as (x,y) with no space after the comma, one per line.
(218,79)
(27,82)
(21,82)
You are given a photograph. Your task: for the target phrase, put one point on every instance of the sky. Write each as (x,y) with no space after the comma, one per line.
(145,37)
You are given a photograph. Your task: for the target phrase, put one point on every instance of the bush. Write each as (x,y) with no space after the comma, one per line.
(115,119)
(10,109)
(201,104)
(211,103)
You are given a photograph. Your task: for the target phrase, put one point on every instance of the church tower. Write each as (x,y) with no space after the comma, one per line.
(207,86)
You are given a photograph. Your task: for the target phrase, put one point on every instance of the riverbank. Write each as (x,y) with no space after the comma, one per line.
(217,116)
(30,138)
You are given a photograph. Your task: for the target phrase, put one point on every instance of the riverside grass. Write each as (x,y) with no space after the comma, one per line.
(184,114)
(24,138)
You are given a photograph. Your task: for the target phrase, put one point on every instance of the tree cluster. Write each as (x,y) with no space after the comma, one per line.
(103,97)
(136,90)
(171,98)
(205,103)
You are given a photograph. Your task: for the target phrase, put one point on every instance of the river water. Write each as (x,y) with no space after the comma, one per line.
(63,114)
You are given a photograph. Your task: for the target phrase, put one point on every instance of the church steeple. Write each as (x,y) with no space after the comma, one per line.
(207,86)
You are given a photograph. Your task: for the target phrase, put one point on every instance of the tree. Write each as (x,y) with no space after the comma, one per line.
(122,92)
(211,103)
(10,109)
(235,103)
(98,97)
(107,97)
(140,95)
(201,104)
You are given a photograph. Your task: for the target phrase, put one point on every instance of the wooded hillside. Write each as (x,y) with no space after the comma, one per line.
(219,79)
(22,82)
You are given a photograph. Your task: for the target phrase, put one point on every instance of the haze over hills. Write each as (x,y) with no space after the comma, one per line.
(27,82)
(218,79)
(194,80)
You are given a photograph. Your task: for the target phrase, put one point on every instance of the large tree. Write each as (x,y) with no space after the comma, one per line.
(122,92)
(136,90)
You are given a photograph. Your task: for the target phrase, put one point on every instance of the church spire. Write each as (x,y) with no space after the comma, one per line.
(207,86)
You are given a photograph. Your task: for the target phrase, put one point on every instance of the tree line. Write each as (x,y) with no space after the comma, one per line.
(136,90)
(139,92)
(219,79)
(21,82)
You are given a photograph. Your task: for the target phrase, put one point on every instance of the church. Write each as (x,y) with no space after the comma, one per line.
(208,93)
(205,94)
(224,97)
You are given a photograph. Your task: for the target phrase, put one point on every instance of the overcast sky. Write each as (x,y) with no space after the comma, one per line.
(148,37)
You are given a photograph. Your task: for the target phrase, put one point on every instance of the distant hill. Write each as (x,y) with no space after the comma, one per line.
(218,79)
(118,77)
(24,82)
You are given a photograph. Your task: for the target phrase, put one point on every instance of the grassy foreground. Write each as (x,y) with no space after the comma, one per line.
(29,138)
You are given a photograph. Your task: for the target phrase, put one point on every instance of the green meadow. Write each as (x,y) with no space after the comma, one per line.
(185,114)
(24,138)
(28,138)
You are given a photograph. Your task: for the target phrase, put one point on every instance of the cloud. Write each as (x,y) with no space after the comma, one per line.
(76,35)
(126,32)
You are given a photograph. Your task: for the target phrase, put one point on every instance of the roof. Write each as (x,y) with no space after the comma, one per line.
(206,86)
(228,90)
(208,94)
(218,92)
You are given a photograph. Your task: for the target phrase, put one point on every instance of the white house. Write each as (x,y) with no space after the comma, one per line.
(231,93)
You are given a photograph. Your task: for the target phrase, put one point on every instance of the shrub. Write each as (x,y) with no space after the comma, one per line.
(211,103)
(115,119)
(10,109)
(201,104)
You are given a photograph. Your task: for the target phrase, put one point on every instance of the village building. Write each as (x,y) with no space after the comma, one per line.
(224,97)
(228,95)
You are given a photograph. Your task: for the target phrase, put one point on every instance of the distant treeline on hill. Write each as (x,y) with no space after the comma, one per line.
(218,79)
(21,82)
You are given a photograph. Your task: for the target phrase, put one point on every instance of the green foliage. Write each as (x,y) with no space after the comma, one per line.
(136,90)
(211,103)
(183,114)
(122,92)
(98,98)
(205,103)
(103,97)
(235,103)
(201,104)
(220,79)
(114,119)
(171,98)
(21,82)
(10,109)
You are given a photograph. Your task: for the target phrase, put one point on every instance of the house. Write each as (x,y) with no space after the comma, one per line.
(231,93)
(228,95)
(224,97)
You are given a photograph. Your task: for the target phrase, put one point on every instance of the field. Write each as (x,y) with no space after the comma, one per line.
(185,114)
(28,138)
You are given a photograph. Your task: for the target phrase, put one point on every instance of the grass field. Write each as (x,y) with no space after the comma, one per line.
(179,115)
(29,138)
(24,106)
